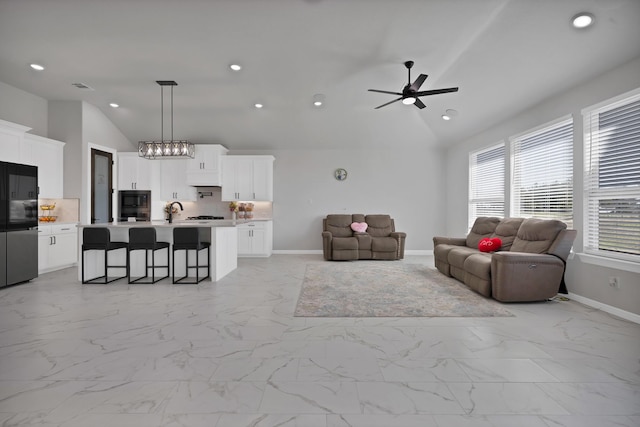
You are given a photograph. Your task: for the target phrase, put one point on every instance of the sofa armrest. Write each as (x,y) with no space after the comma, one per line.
(400,237)
(457,241)
(520,276)
(327,237)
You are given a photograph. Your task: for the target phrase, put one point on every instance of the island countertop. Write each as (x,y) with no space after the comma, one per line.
(177,223)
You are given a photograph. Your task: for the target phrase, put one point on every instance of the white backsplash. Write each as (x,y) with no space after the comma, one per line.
(210,203)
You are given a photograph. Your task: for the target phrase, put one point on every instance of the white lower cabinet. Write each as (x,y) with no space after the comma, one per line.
(57,246)
(255,239)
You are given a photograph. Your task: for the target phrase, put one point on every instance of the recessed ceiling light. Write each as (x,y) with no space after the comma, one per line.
(582,20)
(235,67)
(318,99)
(409,101)
(446,117)
(258,105)
(37,67)
(114,105)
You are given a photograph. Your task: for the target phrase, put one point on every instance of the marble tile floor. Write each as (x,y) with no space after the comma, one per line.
(231,354)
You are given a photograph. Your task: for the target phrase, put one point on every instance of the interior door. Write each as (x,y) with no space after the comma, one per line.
(101,187)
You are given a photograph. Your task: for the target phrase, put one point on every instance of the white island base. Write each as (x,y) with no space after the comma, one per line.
(223,257)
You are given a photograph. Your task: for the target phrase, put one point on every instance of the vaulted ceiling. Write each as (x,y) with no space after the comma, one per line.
(504,55)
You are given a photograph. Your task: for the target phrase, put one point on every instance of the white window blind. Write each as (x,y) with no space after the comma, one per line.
(486,182)
(542,173)
(612,179)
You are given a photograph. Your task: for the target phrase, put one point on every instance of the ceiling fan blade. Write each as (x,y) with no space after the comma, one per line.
(384,91)
(436,91)
(419,104)
(390,102)
(416,85)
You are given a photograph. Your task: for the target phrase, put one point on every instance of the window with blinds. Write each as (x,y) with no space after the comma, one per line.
(612,179)
(486,182)
(542,173)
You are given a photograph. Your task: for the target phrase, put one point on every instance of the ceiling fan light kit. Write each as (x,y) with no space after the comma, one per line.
(411,92)
(170,149)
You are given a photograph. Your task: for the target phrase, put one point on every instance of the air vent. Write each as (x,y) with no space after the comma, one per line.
(82,86)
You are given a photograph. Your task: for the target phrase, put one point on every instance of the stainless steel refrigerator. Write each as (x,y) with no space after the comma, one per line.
(18,223)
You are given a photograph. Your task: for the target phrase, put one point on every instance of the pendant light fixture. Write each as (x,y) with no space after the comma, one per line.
(169,149)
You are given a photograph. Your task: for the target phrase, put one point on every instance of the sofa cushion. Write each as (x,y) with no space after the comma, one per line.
(483,227)
(536,235)
(339,225)
(342,243)
(457,255)
(477,273)
(507,230)
(379,225)
(384,244)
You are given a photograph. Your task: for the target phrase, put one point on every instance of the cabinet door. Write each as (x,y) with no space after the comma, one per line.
(205,168)
(48,155)
(244,179)
(244,240)
(173,185)
(64,250)
(44,243)
(134,172)
(229,167)
(263,179)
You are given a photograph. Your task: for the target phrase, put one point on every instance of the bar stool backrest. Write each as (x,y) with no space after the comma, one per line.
(142,237)
(95,237)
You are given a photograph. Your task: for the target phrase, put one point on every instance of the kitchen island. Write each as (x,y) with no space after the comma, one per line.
(223,257)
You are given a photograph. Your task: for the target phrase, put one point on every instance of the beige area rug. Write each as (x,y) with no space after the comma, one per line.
(388,289)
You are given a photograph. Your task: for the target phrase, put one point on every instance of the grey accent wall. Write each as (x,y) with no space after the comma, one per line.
(407,184)
(23,108)
(65,124)
(583,279)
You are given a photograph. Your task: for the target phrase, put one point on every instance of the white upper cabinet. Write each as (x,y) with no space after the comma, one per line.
(11,138)
(206,169)
(48,155)
(173,184)
(17,146)
(247,178)
(134,172)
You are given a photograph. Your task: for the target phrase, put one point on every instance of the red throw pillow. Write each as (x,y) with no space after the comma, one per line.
(489,245)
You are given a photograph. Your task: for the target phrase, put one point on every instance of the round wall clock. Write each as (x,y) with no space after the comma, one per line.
(340,174)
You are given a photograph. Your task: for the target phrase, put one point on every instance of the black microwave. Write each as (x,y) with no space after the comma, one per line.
(134,204)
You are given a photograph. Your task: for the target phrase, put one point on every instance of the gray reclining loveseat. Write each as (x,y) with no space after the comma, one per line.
(379,241)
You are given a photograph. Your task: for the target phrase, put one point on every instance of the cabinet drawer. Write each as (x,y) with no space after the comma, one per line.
(44,230)
(63,228)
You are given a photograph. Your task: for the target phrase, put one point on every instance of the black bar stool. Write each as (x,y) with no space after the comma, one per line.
(144,238)
(99,239)
(191,238)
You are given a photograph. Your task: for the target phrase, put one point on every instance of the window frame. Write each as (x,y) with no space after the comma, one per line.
(514,208)
(471,201)
(592,194)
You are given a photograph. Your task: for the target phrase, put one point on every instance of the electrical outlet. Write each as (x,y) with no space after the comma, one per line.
(614,282)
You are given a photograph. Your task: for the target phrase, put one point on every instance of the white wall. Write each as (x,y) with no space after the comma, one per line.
(65,124)
(23,108)
(583,279)
(403,183)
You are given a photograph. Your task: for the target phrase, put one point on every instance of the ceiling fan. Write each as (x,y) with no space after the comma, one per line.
(410,94)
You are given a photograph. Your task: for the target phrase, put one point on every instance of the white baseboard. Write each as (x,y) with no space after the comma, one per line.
(632,317)
(418,252)
(297,252)
(316,252)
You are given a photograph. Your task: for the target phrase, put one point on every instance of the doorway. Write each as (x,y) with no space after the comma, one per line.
(101,187)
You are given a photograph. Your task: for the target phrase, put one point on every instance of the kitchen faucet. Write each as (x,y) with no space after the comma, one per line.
(171,210)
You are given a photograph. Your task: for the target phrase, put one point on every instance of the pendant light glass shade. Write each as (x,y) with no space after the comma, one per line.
(166,149)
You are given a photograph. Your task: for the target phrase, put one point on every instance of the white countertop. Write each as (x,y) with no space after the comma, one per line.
(178,223)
